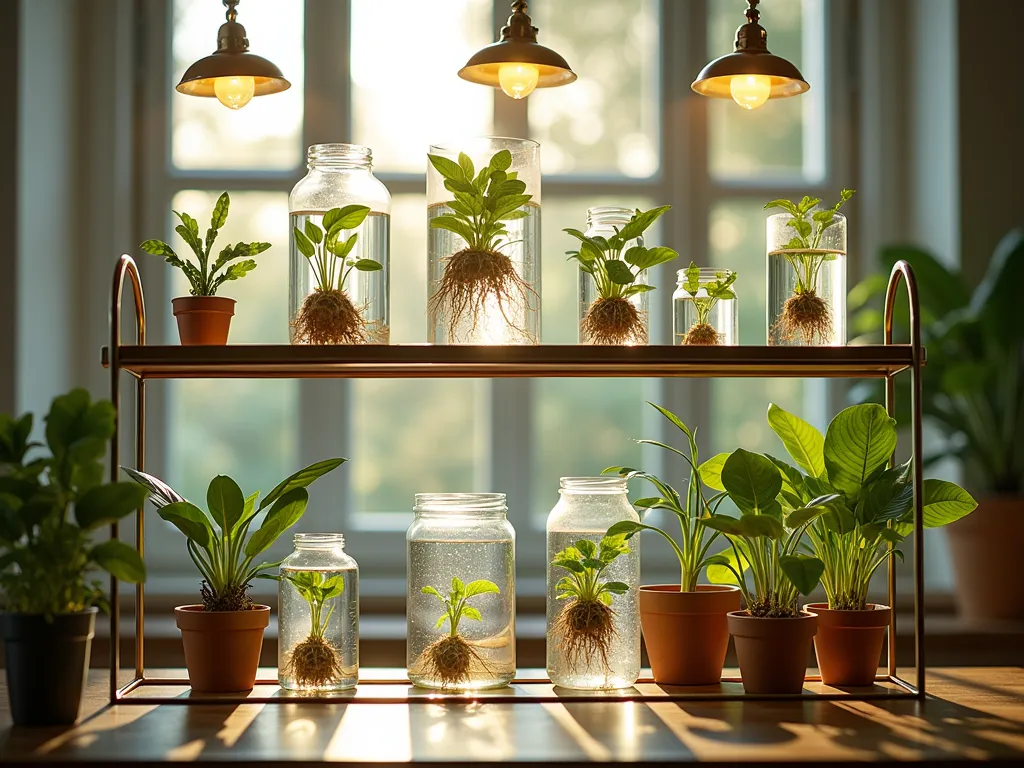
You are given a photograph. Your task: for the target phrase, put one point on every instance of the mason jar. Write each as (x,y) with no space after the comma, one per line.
(806,286)
(592,646)
(335,293)
(484,287)
(699,319)
(600,323)
(318,615)
(460,606)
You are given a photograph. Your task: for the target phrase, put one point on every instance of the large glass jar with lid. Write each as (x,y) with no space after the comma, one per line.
(460,607)
(611,320)
(593,616)
(338,289)
(318,623)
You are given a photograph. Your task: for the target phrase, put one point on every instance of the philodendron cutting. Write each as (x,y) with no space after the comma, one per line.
(316,661)
(704,295)
(451,659)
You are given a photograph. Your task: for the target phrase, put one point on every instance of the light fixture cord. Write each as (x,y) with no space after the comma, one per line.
(232,12)
(753,15)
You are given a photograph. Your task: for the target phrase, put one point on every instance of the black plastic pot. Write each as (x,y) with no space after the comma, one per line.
(47,663)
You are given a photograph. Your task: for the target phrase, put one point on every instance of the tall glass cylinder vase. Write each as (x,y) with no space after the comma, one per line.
(806,285)
(460,607)
(483,242)
(701,315)
(340,258)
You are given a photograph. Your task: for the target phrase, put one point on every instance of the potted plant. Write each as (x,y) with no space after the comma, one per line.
(223,636)
(869,512)
(50,507)
(203,317)
(684,625)
(973,393)
(618,276)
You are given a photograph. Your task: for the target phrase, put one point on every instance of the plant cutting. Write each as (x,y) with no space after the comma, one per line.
(806,316)
(612,318)
(451,659)
(327,315)
(480,276)
(51,505)
(203,317)
(223,636)
(702,333)
(315,662)
(684,624)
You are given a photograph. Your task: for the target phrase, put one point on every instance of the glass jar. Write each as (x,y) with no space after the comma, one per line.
(700,319)
(600,322)
(806,286)
(336,294)
(318,619)
(460,607)
(605,655)
(484,287)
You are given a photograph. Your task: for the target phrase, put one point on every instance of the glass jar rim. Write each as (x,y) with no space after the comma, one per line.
(319,540)
(339,154)
(707,274)
(606,484)
(474,144)
(815,209)
(460,503)
(610,213)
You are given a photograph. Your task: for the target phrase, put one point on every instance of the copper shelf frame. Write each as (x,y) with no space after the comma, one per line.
(144,362)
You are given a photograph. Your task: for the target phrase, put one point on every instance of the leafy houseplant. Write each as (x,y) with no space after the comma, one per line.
(203,317)
(327,315)
(806,316)
(702,333)
(451,659)
(612,318)
(315,662)
(47,551)
(479,275)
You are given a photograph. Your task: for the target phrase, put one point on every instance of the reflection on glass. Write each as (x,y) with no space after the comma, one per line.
(607,121)
(267,133)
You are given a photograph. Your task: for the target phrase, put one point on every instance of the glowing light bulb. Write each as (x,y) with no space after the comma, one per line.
(234,92)
(518,80)
(750,91)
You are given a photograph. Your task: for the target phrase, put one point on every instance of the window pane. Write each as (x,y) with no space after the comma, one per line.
(607,121)
(785,137)
(405,92)
(266,133)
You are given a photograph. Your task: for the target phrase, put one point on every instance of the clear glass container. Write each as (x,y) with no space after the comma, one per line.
(806,286)
(583,652)
(485,292)
(318,619)
(601,323)
(333,297)
(702,320)
(461,545)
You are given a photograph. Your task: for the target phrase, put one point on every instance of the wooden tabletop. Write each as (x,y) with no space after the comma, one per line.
(971,714)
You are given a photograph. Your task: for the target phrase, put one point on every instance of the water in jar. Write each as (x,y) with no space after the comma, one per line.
(689,318)
(807,299)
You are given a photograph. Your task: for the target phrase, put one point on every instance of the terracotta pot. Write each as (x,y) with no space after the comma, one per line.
(772,653)
(686,633)
(222,648)
(203,319)
(988,567)
(849,643)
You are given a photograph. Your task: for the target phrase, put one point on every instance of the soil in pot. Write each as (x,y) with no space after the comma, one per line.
(686,633)
(848,644)
(203,319)
(222,648)
(47,663)
(984,547)
(614,321)
(772,652)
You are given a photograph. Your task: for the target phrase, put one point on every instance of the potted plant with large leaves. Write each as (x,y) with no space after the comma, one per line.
(223,635)
(973,394)
(684,625)
(51,505)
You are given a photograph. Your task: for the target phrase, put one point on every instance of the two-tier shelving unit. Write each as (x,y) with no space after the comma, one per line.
(145,362)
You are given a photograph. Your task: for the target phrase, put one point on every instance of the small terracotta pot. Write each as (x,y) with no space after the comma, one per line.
(222,648)
(772,653)
(849,643)
(984,548)
(203,319)
(686,633)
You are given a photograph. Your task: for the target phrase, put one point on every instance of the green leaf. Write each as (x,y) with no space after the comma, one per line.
(331,218)
(481,587)
(119,560)
(711,471)
(755,525)
(945,502)
(615,587)
(432,591)
(469,612)
(451,170)
(860,440)
(467,165)
(157,248)
(723,523)
(225,501)
(652,257)
(805,572)
(803,442)
(368,265)
(502,160)
(287,510)
(106,504)
(190,520)
(220,211)
(618,272)
(241,269)
(586,547)
(345,247)
(625,528)
(570,565)
(314,233)
(816,508)
(453,224)
(458,586)
(785,205)
(751,480)
(640,221)
(888,497)
(349,217)
(633,290)
(301,479)
(593,564)
(720,567)
(306,248)
(441,621)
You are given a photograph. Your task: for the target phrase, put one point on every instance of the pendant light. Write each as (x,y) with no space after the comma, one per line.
(750,75)
(517,63)
(232,74)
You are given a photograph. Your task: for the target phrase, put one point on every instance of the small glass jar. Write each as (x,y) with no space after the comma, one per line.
(806,286)
(486,292)
(334,296)
(702,320)
(460,607)
(596,659)
(594,329)
(318,620)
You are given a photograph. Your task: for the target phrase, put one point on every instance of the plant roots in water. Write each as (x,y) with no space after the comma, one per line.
(586,630)
(472,277)
(314,663)
(614,321)
(805,316)
(329,317)
(233,599)
(451,660)
(701,335)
